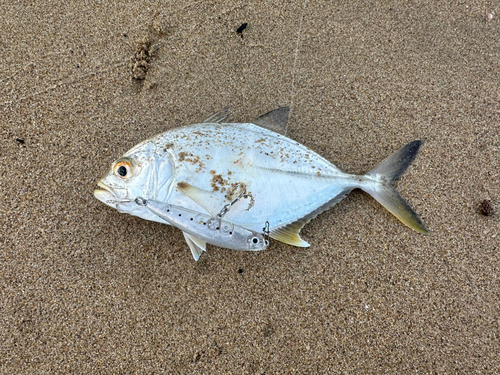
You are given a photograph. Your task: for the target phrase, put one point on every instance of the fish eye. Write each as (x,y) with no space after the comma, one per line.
(123,169)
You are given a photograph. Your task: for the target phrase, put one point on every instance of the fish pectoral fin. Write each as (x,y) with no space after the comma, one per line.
(274,120)
(204,198)
(196,245)
(219,116)
(289,234)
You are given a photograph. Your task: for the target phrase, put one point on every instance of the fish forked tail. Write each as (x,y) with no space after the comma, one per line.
(385,173)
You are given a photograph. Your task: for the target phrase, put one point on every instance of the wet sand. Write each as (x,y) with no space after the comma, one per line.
(85,289)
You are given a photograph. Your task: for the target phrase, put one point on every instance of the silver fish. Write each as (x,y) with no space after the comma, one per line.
(250,174)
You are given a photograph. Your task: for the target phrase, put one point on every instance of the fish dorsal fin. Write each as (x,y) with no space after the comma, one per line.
(274,120)
(196,245)
(289,234)
(204,198)
(219,116)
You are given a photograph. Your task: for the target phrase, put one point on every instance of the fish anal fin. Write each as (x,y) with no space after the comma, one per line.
(196,245)
(289,234)
(274,120)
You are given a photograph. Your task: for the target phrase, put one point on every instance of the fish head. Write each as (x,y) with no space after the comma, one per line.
(141,172)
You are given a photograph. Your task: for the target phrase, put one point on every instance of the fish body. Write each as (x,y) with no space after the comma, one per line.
(249,173)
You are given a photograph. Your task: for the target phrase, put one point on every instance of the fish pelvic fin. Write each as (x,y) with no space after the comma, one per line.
(385,173)
(196,245)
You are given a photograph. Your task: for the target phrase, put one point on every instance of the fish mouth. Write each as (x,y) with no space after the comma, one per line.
(116,198)
(107,195)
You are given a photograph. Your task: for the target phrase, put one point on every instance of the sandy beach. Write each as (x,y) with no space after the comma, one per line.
(87,290)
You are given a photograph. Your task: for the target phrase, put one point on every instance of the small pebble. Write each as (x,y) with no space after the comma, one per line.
(242,27)
(486,208)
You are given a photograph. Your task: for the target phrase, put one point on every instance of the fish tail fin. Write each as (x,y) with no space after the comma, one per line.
(385,173)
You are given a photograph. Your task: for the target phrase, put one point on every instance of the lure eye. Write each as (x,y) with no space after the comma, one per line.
(123,170)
